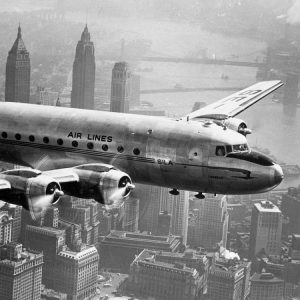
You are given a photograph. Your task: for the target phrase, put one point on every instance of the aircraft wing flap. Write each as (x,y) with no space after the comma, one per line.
(237,102)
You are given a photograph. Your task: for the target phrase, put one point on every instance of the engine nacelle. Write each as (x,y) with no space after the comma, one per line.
(103,183)
(42,186)
(237,125)
(33,193)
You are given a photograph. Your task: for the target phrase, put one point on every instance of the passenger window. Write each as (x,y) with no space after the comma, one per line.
(136,151)
(90,145)
(46,140)
(59,142)
(75,144)
(220,151)
(120,149)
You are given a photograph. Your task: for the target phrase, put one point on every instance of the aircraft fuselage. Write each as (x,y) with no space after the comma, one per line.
(152,150)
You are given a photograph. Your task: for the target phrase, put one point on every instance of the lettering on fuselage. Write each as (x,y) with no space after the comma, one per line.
(90,136)
(165,162)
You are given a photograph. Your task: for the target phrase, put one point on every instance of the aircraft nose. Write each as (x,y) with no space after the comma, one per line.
(278,174)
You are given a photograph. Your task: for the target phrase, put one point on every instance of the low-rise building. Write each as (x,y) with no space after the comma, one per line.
(165,276)
(266,286)
(119,248)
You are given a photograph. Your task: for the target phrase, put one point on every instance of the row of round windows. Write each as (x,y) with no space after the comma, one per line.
(75,144)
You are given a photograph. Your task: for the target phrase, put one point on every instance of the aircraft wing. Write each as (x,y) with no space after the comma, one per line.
(63,176)
(4,185)
(237,102)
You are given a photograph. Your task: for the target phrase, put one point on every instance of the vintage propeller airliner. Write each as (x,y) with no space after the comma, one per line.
(95,154)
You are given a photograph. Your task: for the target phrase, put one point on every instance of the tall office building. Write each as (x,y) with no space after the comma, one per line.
(266,227)
(20,273)
(6,223)
(290,206)
(17,83)
(229,280)
(49,241)
(15,212)
(76,273)
(179,215)
(120,88)
(131,214)
(149,208)
(83,84)
(209,225)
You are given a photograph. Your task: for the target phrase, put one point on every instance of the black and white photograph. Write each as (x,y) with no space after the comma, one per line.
(149,150)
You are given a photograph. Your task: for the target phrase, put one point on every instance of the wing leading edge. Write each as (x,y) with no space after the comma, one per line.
(237,102)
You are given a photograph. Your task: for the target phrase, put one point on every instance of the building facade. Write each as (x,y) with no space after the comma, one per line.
(49,241)
(6,225)
(209,224)
(83,83)
(17,81)
(290,207)
(20,273)
(266,286)
(119,248)
(179,215)
(266,229)
(120,88)
(131,214)
(76,273)
(229,280)
(165,277)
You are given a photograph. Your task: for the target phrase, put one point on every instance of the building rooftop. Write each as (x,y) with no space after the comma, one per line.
(265,278)
(45,230)
(267,206)
(147,258)
(78,255)
(140,240)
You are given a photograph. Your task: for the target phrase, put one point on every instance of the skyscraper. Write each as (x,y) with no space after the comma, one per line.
(17,83)
(209,225)
(229,280)
(5,227)
(76,273)
(83,84)
(290,206)
(20,273)
(179,215)
(266,227)
(131,214)
(120,88)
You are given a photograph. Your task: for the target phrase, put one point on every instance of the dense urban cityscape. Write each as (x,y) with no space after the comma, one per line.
(155,245)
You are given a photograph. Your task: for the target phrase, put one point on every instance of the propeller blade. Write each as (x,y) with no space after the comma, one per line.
(39,204)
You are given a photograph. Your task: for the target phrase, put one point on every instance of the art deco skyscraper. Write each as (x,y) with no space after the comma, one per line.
(120,88)
(83,84)
(17,83)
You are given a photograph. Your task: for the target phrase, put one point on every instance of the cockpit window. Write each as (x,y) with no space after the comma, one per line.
(220,151)
(253,156)
(237,148)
